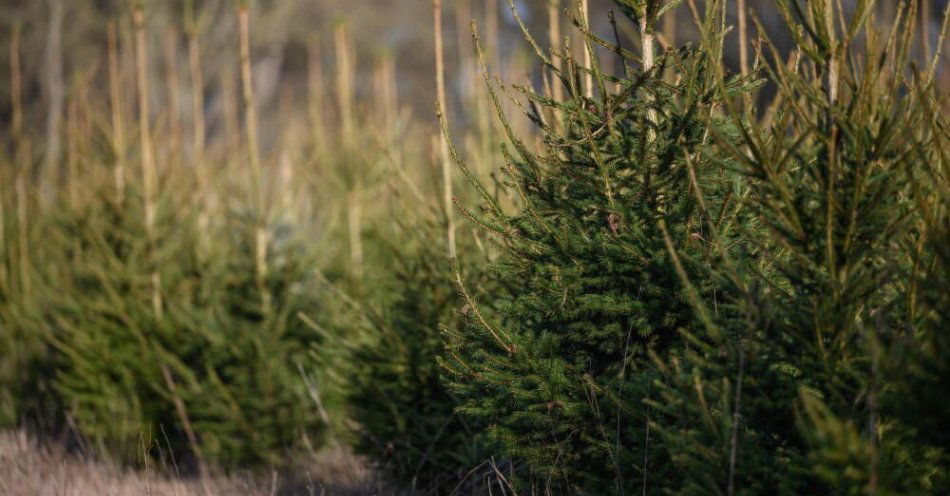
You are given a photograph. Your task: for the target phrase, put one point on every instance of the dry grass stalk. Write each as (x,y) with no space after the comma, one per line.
(55,95)
(443,146)
(925,19)
(647,38)
(125,34)
(253,153)
(72,148)
(743,37)
(315,96)
(21,161)
(344,82)
(354,227)
(22,213)
(384,85)
(345,98)
(197,99)
(587,47)
(198,137)
(554,35)
(229,106)
(198,121)
(173,90)
(833,60)
(118,124)
(149,176)
(556,90)
(16,129)
(5,277)
(16,89)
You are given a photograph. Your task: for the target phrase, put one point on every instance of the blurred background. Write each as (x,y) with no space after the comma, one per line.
(64,47)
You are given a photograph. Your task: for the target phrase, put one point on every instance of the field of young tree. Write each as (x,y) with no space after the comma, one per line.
(475,247)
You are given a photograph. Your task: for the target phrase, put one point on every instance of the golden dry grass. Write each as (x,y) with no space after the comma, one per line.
(31,468)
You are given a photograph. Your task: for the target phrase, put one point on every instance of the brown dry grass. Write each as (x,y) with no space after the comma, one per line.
(30,468)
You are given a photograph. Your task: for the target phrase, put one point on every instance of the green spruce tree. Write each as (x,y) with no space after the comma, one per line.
(795,390)
(406,416)
(213,376)
(561,377)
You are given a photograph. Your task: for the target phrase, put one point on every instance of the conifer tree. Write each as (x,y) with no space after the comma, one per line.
(794,390)
(251,400)
(107,337)
(560,376)
(215,376)
(406,416)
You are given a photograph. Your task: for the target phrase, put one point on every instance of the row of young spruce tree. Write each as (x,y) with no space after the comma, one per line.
(711,281)
(690,279)
(136,323)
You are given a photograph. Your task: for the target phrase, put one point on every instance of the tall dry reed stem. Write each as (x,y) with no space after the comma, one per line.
(253,155)
(925,17)
(72,148)
(315,96)
(16,89)
(16,125)
(125,36)
(229,104)
(23,229)
(589,76)
(197,102)
(5,272)
(647,39)
(443,145)
(149,177)
(344,83)
(55,95)
(345,100)
(384,85)
(743,37)
(554,37)
(21,161)
(743,13)
(198,123)
(197,91)
(832,71)
(173,91)
(354,227)
(118,124)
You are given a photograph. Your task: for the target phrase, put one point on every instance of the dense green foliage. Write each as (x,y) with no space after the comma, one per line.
(561,375)
(808,389)
(677,284)
(406,416)
(209,359)
(797,328)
